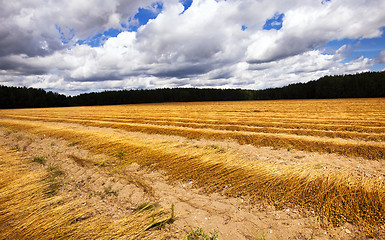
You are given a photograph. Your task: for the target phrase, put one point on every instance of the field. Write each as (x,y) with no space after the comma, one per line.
(322,161)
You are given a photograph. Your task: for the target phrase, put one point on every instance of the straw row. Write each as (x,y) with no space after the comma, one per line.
(337,196)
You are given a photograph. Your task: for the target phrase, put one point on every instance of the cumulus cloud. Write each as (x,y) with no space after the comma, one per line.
(210,44)
(310,26)
(38,27)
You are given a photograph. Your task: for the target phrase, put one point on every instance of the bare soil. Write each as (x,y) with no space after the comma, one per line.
(119,192)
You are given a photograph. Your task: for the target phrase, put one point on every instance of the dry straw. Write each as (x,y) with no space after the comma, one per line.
(28,212)
(336,196)
(353,127)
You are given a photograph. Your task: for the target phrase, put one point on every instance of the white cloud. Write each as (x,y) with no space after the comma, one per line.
(31,26)
(204,46)
(310,26)
(307,66)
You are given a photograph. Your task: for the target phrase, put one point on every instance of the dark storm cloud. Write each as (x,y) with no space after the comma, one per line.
(98,78)
(21,68)
(14,41)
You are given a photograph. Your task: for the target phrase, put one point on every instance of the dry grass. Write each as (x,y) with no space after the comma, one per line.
(28,212)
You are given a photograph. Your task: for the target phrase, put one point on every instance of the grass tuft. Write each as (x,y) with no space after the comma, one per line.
(120,154)
(39,159)
(15,148)
(54,178)
(74,143)
(199,234)
(109,191)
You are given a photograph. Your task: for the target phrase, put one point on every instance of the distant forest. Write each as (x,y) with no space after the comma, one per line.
(360,85)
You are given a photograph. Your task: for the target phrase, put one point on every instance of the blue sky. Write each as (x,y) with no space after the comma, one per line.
(72,47)
(275,22)
(141,18)
(369,48)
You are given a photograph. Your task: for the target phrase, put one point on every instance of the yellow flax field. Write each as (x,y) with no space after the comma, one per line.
(353,128)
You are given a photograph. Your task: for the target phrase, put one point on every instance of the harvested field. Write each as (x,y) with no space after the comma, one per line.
(353,127)
(323,157)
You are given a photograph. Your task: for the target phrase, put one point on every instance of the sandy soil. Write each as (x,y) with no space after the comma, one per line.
(118,193)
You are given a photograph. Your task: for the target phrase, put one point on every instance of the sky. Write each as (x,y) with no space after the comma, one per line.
(77,46)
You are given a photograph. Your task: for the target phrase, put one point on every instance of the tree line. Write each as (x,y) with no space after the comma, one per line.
(360,85)
(22,97)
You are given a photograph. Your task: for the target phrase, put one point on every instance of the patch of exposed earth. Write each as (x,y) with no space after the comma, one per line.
(117,192)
